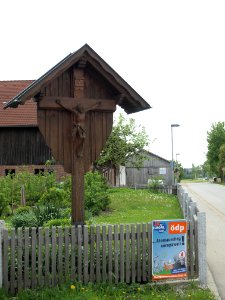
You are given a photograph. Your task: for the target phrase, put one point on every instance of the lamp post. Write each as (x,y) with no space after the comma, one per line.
(172,167)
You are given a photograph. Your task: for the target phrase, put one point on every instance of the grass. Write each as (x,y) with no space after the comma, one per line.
(127,206)
(117,292)
(138,206)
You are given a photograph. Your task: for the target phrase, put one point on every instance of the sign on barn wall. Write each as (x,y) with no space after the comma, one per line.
(162,171)
(169,249)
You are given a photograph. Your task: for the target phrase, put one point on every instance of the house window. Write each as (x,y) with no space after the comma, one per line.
(39,171)
(10,172)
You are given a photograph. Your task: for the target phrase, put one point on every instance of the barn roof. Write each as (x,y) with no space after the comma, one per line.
(25,115)
(130,100)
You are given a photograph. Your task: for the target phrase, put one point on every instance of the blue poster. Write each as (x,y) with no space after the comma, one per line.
(169,253)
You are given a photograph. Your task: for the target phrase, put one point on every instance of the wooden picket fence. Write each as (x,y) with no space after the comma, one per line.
(36,257)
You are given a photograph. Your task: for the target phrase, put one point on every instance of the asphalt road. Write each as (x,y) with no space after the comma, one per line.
(210,198)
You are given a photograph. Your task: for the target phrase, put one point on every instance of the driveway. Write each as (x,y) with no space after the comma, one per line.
(210,198)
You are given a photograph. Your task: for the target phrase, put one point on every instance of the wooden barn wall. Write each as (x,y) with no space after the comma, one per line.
(22,146)
(149,169)
(55,125)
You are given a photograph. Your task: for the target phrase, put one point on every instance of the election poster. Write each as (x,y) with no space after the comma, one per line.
(169,249)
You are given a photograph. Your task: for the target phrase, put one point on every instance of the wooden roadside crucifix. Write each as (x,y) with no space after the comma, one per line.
(75,104)
(77,129)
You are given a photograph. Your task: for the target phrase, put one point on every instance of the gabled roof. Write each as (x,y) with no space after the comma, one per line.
(25,115)
(131,101)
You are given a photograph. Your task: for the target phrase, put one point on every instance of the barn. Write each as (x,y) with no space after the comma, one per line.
(153,167)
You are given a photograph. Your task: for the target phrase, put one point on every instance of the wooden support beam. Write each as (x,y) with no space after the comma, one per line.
(49,102)
(78,159)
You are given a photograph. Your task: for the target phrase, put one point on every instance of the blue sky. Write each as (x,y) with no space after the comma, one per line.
(170,52)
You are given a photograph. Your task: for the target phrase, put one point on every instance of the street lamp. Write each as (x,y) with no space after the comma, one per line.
(172,167)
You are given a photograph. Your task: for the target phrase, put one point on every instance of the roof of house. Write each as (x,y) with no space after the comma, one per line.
(130,100)
(25,115)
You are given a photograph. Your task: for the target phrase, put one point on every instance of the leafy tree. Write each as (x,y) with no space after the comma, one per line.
(215,139)
(197,171)
(222,159)
(96,194)
(125,141)
(206,170)
(178,171)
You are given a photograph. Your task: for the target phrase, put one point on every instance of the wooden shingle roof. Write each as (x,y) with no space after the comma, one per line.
(128,98)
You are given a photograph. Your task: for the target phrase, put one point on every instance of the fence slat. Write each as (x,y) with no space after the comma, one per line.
(26,258)
(121,253)
(67,254)
(47,264)
(86,248)
(196,245)
(133,257)
(104,277)
(53,269)
(127,254)
(98,254)
(116,254)
(149,235)
(202,248)
(110,253)
(79,238)
(12,257)
(138,253)
(144,256)
(6,259)
(1,259)
(60,257)
(19,259)
(40,265)
(73,253)
(92,254)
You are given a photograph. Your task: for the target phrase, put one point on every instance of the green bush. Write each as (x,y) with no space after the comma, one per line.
(96,194)
(36,185)
(7,211)
(23,209)
(56,197)
(155,184)
(57,222)
(10,190)
(25,219)
(3,203)
(48,212)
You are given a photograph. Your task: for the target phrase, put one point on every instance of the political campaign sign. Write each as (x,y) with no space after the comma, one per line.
(169,249)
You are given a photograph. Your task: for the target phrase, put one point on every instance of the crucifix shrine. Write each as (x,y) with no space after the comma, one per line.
(75,104)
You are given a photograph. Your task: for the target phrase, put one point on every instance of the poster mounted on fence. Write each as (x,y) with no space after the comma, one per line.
(169,249)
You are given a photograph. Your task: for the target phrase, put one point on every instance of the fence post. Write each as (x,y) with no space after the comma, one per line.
(201,217)
(184,201)
(1,239)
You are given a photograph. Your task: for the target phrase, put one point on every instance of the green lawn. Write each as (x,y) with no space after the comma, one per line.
(138,206)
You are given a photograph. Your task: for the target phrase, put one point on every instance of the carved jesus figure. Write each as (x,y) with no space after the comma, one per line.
(79,130)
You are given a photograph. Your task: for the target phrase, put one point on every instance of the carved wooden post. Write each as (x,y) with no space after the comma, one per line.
(77,161)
